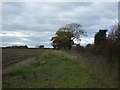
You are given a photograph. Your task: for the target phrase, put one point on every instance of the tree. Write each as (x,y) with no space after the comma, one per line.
(66,35)
(114,35)
(26,46)
(99,40)
(100,37)
(113,41)
(41,46)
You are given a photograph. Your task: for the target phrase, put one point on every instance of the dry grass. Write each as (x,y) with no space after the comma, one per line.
(100,65)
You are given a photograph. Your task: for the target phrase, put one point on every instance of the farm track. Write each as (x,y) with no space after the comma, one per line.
(16,60)
(7,68)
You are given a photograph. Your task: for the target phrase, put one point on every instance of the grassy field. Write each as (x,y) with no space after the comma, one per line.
(47,69)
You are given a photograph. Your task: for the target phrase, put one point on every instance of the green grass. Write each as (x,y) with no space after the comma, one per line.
(58,71)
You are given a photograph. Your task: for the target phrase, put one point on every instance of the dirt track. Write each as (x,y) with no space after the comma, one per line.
(10,67)
(15,60)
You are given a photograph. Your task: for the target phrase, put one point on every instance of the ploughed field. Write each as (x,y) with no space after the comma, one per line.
(40,68)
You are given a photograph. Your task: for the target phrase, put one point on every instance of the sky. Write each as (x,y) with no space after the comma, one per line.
(34,23)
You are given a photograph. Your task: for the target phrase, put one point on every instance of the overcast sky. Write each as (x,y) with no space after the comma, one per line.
(34,24)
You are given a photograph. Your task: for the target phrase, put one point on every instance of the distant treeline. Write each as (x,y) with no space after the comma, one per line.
(16,47)
(25,47)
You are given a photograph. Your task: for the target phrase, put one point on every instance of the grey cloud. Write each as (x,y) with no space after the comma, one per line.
(12,7)
(33,19)
(10,39)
